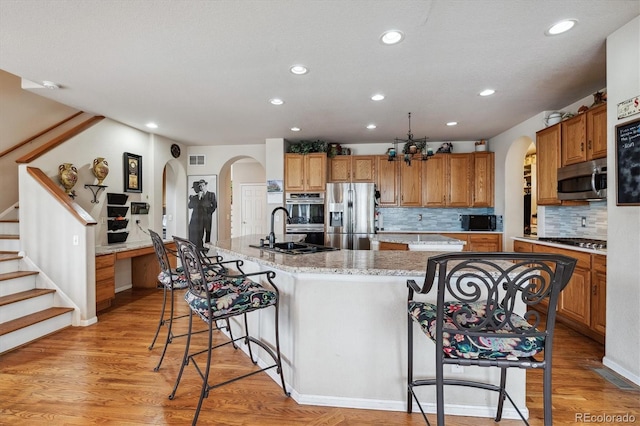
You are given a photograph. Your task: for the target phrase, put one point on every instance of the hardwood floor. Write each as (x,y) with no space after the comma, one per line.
(103,374)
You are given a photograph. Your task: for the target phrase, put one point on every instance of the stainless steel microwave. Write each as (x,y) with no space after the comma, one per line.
(583,181)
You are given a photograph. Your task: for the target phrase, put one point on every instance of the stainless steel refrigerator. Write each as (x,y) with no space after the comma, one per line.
(349,214)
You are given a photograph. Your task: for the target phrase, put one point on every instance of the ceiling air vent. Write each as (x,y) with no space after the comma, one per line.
(196,160)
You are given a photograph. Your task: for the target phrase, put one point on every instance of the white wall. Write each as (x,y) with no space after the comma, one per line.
(623,248)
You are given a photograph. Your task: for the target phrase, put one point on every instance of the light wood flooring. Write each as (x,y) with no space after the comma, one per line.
(103,374)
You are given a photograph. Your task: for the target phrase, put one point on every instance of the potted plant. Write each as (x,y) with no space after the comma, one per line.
(306,147)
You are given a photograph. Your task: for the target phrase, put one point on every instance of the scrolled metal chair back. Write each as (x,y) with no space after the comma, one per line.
(192,265)
(500,284)
(161,252)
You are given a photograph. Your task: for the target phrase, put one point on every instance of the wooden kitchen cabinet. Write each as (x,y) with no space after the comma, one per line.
(584,137)
(485,242)
(597,132)
(393,246)
(434,176)
(447,180)
(387,180)
(599,293)
(460,170)
(352,168)
(574,133)
(305,172)
(411,184)
(548,153)
(574,304)
(522,247)
(105,280)
(582,304)
(483,179)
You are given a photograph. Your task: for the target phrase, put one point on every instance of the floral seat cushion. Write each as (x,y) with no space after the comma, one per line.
(475,347)
(230,296)
(179,279)
(176,278)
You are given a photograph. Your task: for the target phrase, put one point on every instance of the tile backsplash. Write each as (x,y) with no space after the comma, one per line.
(426,219)
(566,221)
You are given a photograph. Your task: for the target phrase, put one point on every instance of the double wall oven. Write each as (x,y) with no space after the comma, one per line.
(306,215)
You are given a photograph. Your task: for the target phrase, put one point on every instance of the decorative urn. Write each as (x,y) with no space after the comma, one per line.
(68,175)
(100,169)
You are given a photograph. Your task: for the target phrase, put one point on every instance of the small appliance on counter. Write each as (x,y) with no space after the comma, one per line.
(478,222)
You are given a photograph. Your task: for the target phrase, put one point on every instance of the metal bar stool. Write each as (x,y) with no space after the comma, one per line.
(217,296)
(477,319)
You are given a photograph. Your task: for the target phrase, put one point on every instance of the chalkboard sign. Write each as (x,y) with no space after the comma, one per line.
(628,163)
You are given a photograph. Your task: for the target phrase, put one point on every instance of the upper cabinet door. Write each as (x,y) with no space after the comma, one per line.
(483,172)
(315,171)
(597,132)
(574,146)
(547,163)
(294,172)
(340,168)
(460,170)
(411,184)
(363,168)
(434,181)
(387,180)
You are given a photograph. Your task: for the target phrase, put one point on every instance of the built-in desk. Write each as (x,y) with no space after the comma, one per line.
(144,268)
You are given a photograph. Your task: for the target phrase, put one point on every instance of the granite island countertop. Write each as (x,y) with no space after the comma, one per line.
(344,262)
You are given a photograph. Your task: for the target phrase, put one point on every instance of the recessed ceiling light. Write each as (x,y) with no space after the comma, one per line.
(298,69)
(152,125)
(377,97)
(276,101)
(371,126)
(391,37)
(295,129)
(487,92)
(561,27)
(452,123)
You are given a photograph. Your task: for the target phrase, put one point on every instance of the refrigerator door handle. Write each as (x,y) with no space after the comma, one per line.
(349,218)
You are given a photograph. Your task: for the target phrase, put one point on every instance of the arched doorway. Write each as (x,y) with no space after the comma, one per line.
(513,189)
(238,173)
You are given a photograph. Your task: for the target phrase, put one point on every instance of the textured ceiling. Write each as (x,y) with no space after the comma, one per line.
(205,70)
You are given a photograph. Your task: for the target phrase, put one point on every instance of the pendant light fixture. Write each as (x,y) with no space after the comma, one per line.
(411,147)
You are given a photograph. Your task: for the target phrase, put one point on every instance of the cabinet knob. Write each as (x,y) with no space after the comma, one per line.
(581,146)
(589,145)
(594,289)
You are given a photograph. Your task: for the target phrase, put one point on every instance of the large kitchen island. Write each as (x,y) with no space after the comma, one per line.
(343,329)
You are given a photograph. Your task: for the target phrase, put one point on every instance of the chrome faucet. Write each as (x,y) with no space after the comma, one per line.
(272,235)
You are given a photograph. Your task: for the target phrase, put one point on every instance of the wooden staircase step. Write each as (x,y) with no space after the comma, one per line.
(16,274)
(9,255)
(24,295)
(26,321)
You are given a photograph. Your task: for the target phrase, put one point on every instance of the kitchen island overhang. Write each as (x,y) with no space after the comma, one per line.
(343,330)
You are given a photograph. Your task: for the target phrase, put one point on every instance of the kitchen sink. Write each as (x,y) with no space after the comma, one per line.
(294,248)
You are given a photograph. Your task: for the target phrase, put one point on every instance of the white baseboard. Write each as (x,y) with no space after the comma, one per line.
(635,378)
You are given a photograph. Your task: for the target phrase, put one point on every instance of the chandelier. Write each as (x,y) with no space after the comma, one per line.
(413,149)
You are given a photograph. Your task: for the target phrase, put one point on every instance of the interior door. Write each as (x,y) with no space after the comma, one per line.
(253,209)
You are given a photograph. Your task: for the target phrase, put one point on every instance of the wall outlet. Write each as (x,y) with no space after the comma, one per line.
(419,217)
(459,217)
(584,221)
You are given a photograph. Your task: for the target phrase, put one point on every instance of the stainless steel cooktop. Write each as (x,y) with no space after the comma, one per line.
(577,242)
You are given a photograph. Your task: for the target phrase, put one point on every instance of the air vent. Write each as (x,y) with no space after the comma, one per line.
(196,160)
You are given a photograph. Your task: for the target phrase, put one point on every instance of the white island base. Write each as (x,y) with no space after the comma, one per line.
(343,328)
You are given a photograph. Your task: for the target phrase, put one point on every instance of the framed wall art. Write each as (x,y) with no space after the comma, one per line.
(628,163)
(132,166)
